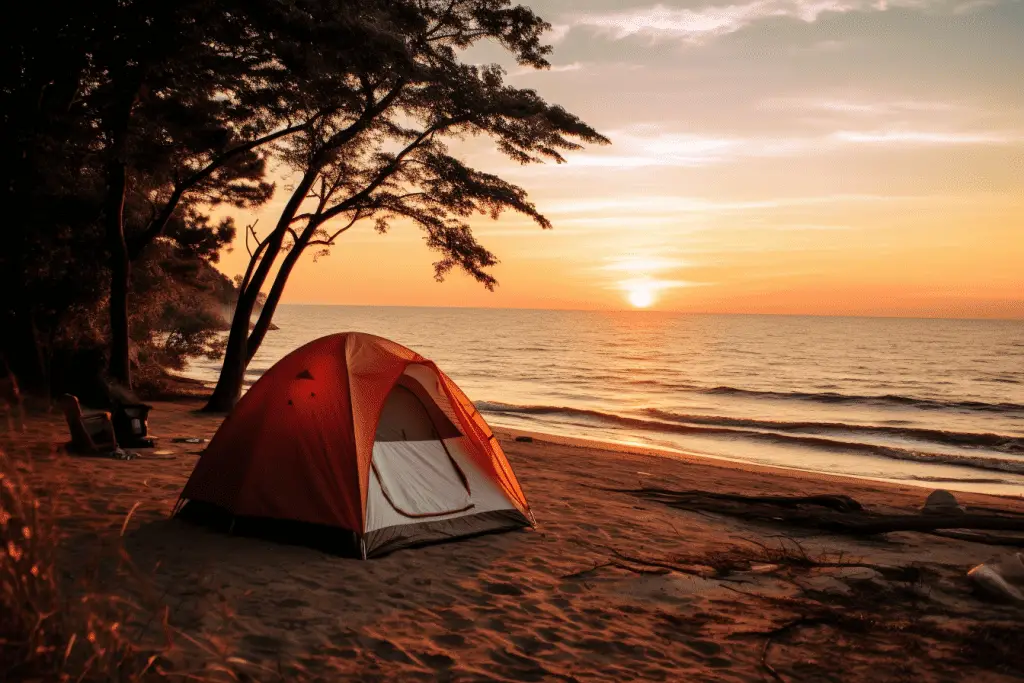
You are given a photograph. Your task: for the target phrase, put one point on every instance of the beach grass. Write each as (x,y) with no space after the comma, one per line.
(50,630)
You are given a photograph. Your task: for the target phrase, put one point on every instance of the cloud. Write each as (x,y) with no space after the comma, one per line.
(652,284)
(557,33)
(555,68)
(974,6)
(917,137)
(647,146)
(696,25)
(860,107)
(819,47)
(806,226)
(667,149)
(661,205)
(644,265)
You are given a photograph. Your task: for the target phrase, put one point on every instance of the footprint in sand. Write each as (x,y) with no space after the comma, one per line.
(292,603)
(531,645)
(502,589)
(449,640)
(454,621)
(705,647)
(436,660)
(385,650)
(263,643)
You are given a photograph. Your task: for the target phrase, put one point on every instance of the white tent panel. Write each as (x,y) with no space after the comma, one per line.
(424,486)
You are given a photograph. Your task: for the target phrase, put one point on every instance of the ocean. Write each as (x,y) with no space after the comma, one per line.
(936,403)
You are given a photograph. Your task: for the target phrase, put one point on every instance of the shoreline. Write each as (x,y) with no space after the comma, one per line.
(188,388)
(698,458)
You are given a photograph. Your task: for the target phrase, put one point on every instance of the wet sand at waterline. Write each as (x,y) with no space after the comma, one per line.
(559,602)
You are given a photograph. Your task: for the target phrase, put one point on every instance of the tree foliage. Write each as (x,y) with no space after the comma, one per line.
(128,120)
(381,150)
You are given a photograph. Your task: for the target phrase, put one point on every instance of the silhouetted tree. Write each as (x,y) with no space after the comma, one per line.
(378,152)
(119,118)
(110,106)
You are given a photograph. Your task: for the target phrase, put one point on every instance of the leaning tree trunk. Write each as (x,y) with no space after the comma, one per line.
(119,367)
(236,355)
(259,330)
(232,373)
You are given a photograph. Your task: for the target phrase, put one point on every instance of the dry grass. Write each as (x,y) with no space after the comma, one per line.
(99,621)
(50,630)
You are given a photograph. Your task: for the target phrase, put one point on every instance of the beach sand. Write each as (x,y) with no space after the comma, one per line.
(541,604)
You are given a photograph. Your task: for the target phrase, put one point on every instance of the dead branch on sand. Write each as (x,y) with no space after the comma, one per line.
(620,565)
(721,566)
(780,631)
(978,537)
(841,514)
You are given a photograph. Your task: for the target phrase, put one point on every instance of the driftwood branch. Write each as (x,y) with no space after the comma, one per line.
(621,565)
(978,537)
(840,503)
(781,631)
(841,514)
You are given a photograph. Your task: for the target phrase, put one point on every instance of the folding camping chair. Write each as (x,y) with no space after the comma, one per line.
(90,434)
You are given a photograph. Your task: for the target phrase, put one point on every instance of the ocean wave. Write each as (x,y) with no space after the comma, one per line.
(957,480)
(835,397)
(883,399)
(781,437)
(1000,442)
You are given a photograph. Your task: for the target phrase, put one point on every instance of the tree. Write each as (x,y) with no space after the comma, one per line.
(119,118)
(47,184)
(181,108)
(378,153)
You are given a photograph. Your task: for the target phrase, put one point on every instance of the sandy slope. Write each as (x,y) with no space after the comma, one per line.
(521,606)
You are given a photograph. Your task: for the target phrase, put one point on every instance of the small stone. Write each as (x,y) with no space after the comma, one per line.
(856,574)
(941,502)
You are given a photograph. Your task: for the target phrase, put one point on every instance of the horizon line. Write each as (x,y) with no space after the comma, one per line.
(664,311)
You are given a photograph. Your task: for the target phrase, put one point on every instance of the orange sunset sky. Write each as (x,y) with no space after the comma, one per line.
(833,157)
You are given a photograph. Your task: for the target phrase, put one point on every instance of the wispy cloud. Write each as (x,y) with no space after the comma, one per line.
(648,146)
(644,265)
(696,25)
(558,32)
(917,137)
(652,284)
(660,205)
(555,68)
(866,108)
(819,47)
(974,6)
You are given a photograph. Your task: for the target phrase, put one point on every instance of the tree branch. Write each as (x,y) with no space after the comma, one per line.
(330,240)
(253,260)
(157,225)
(389,170)
(251,229)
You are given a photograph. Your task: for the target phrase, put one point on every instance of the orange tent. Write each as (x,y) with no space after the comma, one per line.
(356,432)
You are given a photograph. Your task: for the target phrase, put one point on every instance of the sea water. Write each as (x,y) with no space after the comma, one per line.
(932,402)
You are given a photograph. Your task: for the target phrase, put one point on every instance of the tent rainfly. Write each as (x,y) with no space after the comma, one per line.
(358,434)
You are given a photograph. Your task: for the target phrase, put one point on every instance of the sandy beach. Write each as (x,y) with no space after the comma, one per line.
(608,587)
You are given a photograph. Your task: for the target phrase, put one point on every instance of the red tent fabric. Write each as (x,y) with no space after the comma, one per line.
(300,443)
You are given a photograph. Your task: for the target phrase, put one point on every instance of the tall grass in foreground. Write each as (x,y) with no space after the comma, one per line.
(50,631)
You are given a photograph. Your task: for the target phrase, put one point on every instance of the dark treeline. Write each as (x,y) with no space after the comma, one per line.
(126,122)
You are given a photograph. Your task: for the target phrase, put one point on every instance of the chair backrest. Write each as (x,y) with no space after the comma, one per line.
(73,414)
(71,407)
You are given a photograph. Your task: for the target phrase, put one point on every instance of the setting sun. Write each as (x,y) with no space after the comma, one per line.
(641,296)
